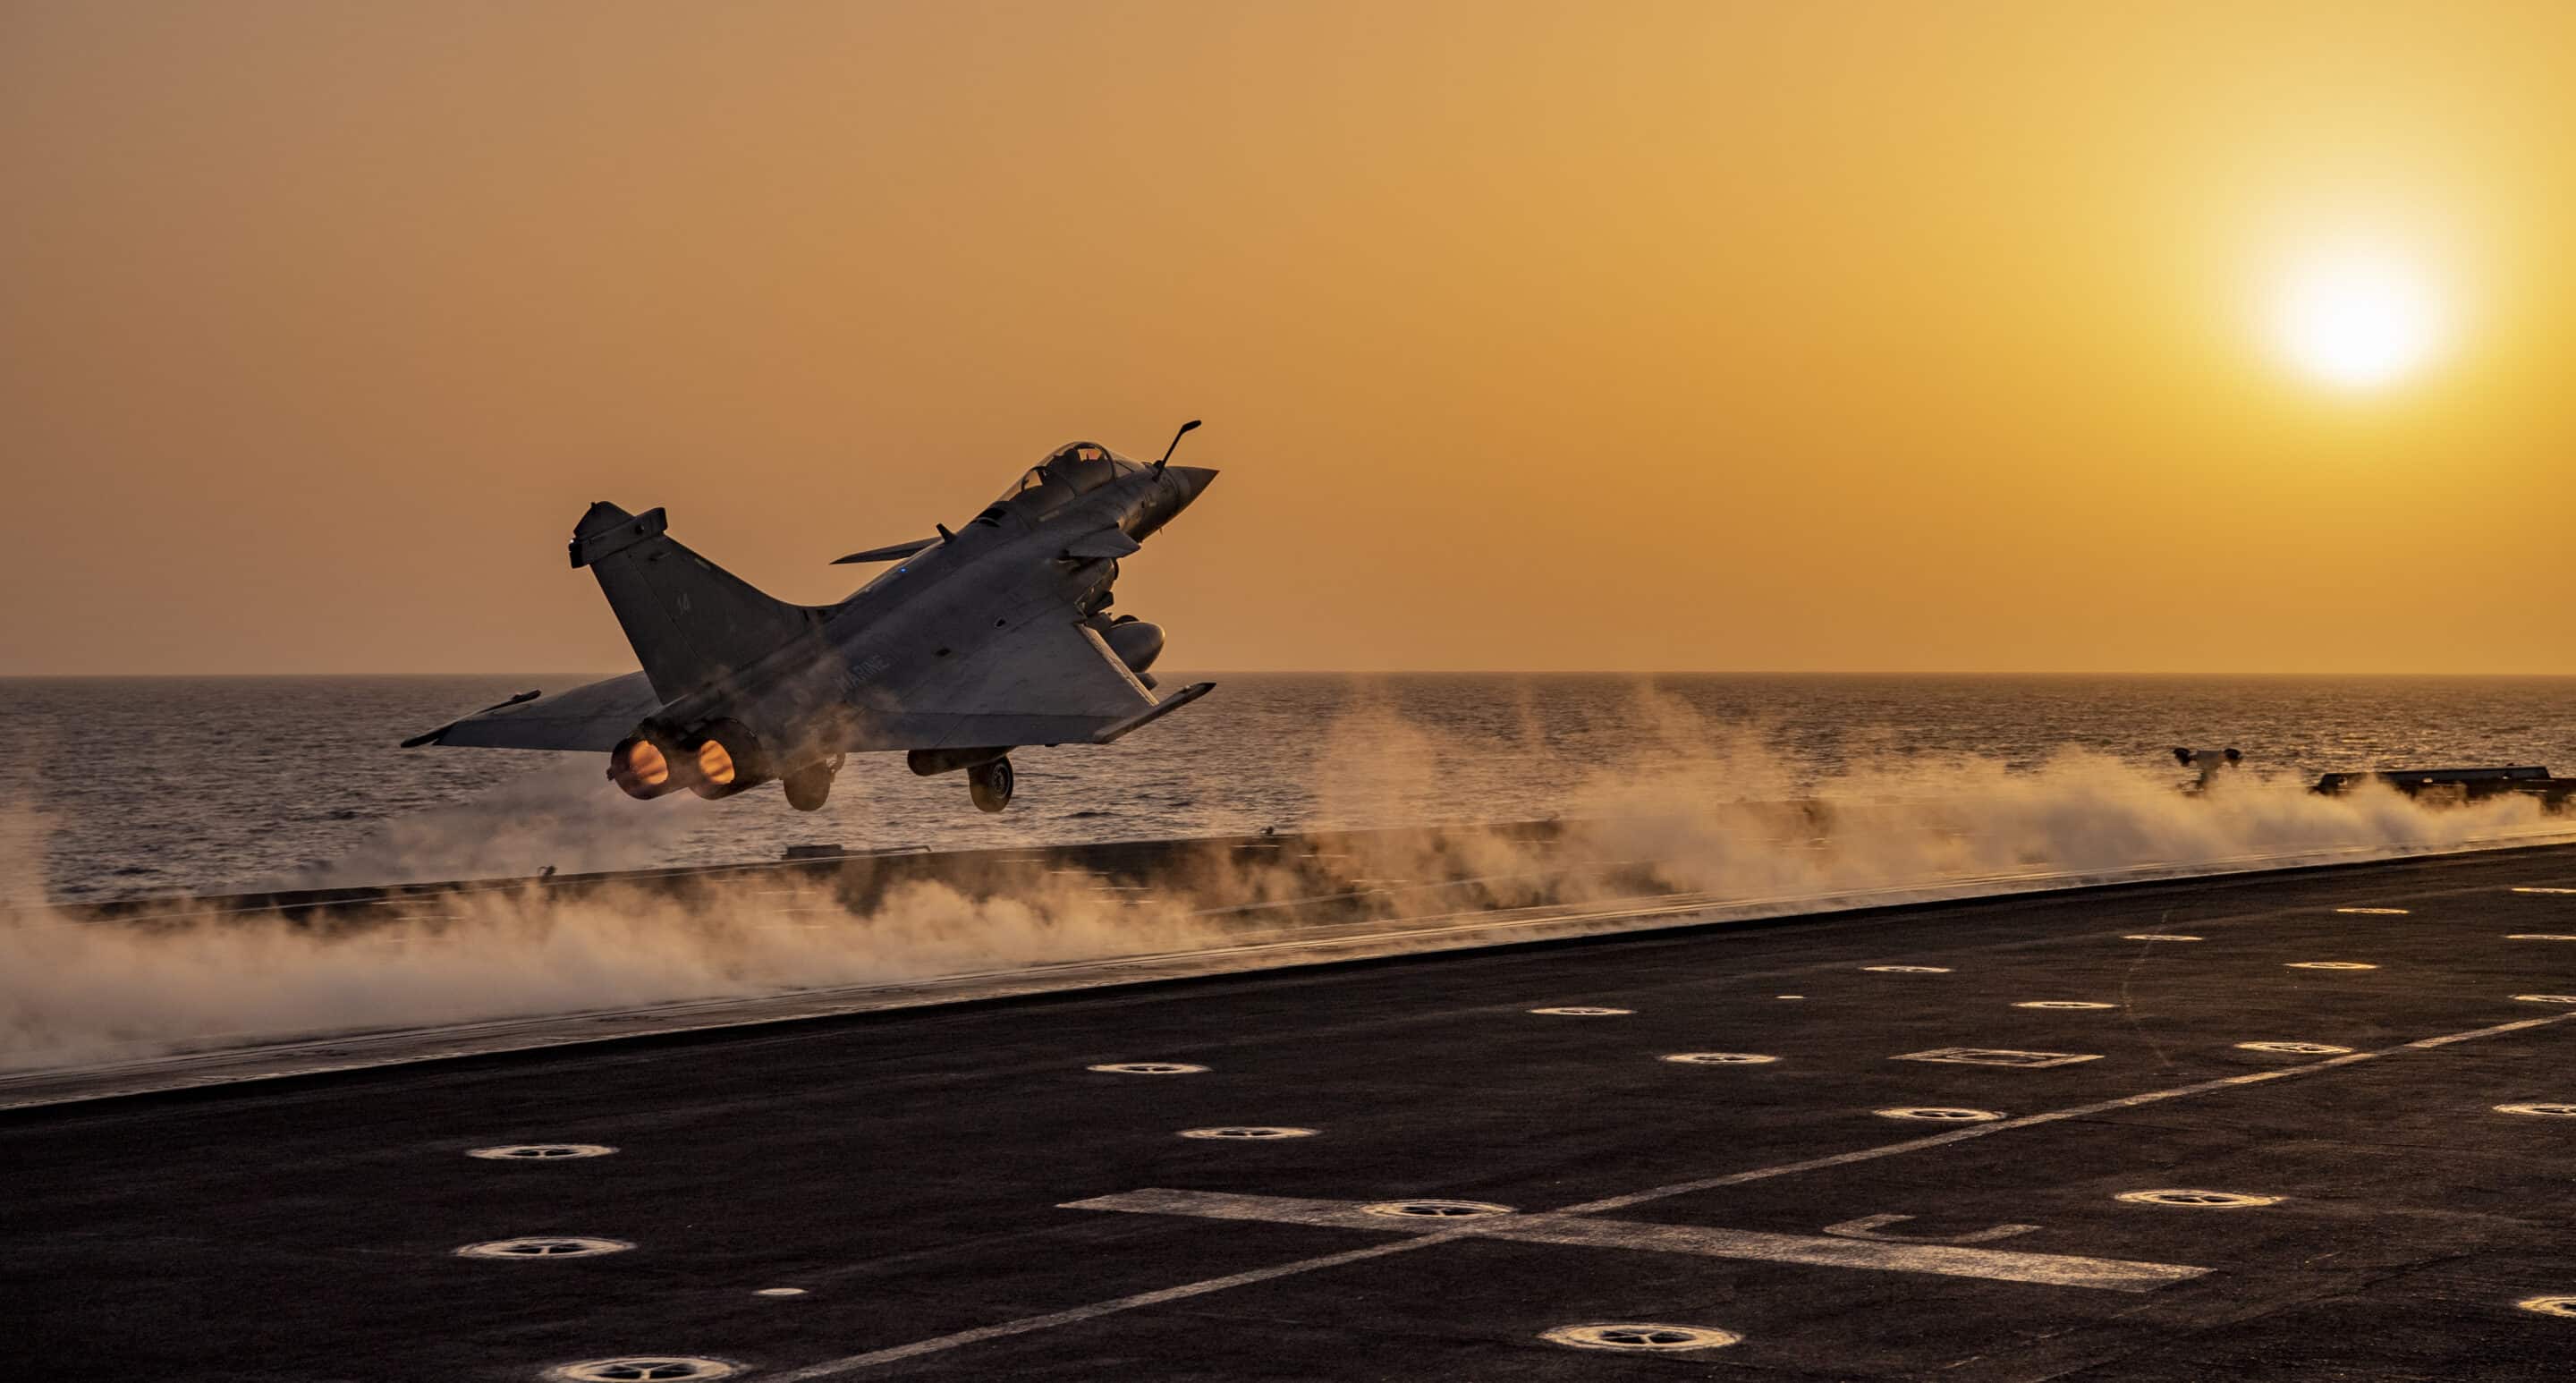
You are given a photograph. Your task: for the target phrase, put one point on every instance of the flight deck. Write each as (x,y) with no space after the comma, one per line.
(2303,1124)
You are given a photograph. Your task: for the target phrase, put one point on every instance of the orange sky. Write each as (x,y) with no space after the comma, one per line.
(1580,335)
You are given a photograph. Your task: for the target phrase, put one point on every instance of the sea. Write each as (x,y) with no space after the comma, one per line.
(127,787)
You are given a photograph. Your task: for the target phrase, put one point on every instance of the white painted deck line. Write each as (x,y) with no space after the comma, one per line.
(2053,1269)
(1455,1231)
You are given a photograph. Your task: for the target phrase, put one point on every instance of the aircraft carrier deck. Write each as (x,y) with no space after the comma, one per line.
(2316,1123)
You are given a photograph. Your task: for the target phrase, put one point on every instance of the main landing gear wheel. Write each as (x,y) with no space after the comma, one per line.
(807,787)
(990,785)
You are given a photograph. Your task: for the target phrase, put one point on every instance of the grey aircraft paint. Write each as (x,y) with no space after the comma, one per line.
(969,644)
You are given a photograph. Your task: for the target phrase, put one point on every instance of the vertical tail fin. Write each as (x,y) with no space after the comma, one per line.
(691,622)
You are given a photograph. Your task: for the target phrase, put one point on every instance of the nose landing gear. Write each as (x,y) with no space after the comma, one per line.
(990,784)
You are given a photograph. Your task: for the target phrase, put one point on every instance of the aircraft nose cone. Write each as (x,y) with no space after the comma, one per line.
(1193,479)
(1172,492)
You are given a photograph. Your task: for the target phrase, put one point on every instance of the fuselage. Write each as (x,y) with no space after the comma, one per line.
(1045,549)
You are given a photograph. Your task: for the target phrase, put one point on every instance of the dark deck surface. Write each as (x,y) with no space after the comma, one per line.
(954,1194)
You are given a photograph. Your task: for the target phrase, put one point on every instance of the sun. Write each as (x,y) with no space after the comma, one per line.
(2358,319)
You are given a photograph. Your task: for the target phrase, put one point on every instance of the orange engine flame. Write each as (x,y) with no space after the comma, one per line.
(715,764)
(646,766)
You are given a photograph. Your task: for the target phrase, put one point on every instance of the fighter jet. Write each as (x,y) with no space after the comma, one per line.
(968,645)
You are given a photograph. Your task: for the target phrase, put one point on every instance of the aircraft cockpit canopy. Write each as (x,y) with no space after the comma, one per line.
(1073,469)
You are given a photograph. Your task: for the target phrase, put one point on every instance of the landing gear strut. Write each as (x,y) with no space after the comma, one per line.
(807,787)
(990,784)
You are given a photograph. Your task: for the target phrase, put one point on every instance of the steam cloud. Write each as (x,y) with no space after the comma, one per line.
(1713,809)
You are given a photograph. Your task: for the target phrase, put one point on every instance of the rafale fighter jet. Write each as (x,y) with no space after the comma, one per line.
(969,645)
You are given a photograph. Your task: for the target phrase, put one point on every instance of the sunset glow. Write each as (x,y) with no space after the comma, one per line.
(2358,320)
(1660,334)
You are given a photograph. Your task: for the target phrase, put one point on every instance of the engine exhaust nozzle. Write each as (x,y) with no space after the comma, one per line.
(644,768)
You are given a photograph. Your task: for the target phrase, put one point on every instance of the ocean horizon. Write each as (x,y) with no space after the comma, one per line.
(143,785)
